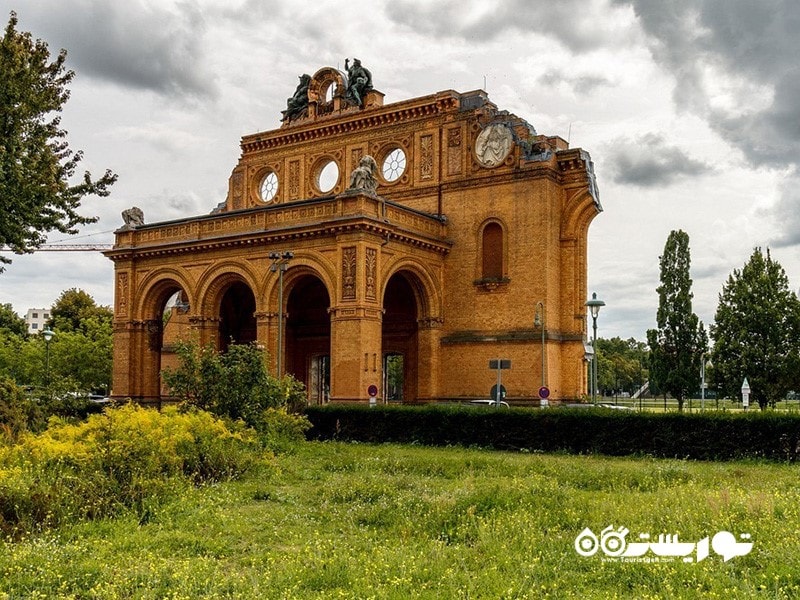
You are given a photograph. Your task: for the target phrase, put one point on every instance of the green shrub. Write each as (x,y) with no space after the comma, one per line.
(281,430)
(125,458)
(13,417)
(707,436)
(235,384)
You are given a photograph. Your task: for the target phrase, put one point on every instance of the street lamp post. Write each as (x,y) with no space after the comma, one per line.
(703,381)
(594,307)
(47,334)
(280,261)
(539,321)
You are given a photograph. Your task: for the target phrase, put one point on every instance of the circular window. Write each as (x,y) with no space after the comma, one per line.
(394,165)
(328,176)
(269,187)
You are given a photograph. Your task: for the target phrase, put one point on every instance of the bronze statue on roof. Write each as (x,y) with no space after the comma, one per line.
(298,103)
(359,81)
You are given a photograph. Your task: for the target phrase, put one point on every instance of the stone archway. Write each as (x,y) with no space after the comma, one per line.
(165,323)
(307,346)
(237,320)
(400,337)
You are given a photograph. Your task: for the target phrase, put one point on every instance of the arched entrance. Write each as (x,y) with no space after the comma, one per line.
(165,310)
(400,339)
(308,337)
(237,324)
(174,322)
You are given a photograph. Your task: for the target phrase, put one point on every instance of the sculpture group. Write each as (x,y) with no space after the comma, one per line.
(357,83)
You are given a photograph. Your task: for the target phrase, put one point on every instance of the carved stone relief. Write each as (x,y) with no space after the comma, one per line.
(349,273)
(122,294)
(237,185)
(454,151)
(372,273)
(294,180)
(426,157)
(493,145)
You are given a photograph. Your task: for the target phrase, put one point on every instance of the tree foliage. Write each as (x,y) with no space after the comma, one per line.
(10,322)
(73,310)
(37,191)
(80,351)
(622,364)
(234,384)
(678,342)
(756,332)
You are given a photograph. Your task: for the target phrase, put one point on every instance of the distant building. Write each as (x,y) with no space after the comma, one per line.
(373,250)
(36,318)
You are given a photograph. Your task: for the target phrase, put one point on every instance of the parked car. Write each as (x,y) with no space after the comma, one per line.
(489,402)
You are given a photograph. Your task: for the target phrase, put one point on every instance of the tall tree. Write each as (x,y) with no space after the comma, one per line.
(11,322)
(37,194)
(74,308)
(756,332)
(680,339)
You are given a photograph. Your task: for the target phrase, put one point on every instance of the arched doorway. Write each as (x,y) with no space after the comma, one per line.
(308,337)
(399,339)
(174,328)
(237,324)
(165,323)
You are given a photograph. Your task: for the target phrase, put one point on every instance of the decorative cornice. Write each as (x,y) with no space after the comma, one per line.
(400,112)
(522,336)
(393,222)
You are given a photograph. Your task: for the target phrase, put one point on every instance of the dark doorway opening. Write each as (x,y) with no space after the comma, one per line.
(308,336)
(237,316)
(399,341)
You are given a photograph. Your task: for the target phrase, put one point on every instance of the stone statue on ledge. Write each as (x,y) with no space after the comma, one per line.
(298,103)
(364,177)
(133,217)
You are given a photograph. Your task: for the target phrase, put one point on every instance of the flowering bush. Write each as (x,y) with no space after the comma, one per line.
(125,458)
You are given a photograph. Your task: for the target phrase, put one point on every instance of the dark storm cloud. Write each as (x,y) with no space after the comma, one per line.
(756,43)
(569,21)
(787,212)
(648,161)
(127,43)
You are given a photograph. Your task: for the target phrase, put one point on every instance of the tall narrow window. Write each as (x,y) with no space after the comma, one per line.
(492,251)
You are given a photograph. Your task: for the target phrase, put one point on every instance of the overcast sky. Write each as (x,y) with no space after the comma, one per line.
(689,109)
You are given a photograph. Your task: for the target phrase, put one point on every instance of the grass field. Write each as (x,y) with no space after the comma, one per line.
(693,404)
(361,521)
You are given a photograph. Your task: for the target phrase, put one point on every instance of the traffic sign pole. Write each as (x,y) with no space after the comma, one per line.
(499,384)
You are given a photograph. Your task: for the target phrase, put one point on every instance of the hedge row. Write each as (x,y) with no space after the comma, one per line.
(706,436)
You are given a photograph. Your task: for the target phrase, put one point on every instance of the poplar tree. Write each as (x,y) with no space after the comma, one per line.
(756,332)
(679,341)
(37,190)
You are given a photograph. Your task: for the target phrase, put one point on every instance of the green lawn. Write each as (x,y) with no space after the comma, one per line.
(362,521)
(694,404)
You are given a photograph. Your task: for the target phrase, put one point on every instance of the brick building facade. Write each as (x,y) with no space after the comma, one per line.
(473,247)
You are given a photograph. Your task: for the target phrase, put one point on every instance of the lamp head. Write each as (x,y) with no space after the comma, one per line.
(594,305)
(48,334)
